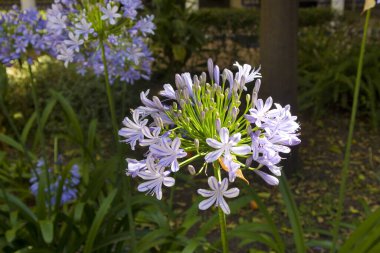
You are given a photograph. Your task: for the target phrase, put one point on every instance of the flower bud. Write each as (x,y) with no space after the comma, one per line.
(158,121)
(218,124)
(191,170)
(234,113)
(210,66)
(196,144)
(203,78)
(255,92)
(247,98)
(216,74)
(203,115)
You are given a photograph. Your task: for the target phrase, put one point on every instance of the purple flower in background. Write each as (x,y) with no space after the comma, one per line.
(69,185)
(22,35)
(73,28)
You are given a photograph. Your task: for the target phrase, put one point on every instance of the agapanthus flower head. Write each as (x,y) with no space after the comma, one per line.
(77,27)
(67,178)
(204,118)
(22,35)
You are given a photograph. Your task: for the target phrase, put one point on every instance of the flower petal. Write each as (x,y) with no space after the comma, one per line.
(205,193)
(214,143)
(271,180)
(223,185)
(241,150)
(205,204)
(223,204)
(224,135)
(213,156)
(213,183)
(231,193)
(169,181)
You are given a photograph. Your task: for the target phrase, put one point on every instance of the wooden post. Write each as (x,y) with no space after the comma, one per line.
(28,4)
(338,6)
(278,57)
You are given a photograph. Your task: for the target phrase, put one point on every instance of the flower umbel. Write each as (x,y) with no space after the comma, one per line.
(204,119)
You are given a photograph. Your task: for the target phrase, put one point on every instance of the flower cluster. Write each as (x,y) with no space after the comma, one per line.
(78,28)
(69,183)
(21,35)
(204,118)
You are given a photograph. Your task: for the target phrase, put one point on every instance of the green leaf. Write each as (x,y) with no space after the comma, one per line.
(11,142)
(91,135)
(72,117)
(106,203)
(44,117)
(366,234)
(263,209)
(10,234)
(179,52)
(16,202)
(153,239)
(293,215)
(47,230)
(79,207)
(192,245)
(27,127)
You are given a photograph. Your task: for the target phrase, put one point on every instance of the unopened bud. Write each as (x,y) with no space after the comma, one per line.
(203,115)
(218,124)
(158,121)
(196,144)
(255,92)
(191,170)
(210,66)
(234,113)
(202,78)
(216,74)
(247,98)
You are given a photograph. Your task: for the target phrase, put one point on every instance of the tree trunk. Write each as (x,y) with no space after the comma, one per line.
(278,56)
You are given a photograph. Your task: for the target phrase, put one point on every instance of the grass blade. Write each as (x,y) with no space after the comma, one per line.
(293,215)
(98,221)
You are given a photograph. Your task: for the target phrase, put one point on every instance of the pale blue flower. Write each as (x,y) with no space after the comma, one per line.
(84,28)
(168,153)
(217,194)
(246,73)
(110,13)
(74,42)
(269,179)
(168,92)
(156,176)
(135,167)
(66,55)
(133,130)
(225,146)
(259,113)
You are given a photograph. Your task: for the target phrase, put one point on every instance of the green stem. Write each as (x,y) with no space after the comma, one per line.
(111,105)
(222,216)
(344,175)
(41,135)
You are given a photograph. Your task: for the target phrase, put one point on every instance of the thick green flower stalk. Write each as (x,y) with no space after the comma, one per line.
(205,117)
